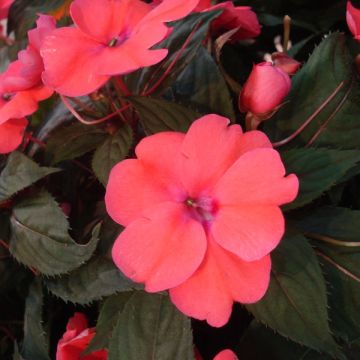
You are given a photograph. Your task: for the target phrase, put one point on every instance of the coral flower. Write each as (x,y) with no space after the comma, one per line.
(201,215)
(226,354)
(4,8)
(353,20)
(21,87)
(110,37)
(265,89)
(76,338)
(233,17)
(11,134)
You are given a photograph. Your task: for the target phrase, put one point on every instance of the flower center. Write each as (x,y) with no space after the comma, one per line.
(202,209)
(7,97)
(118,40)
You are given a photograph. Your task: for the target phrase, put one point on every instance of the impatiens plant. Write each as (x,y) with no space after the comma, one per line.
(179,180)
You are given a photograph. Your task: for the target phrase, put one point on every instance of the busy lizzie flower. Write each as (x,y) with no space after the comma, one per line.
(226,354)
(353,20)
(11,134)
(21,87)
(285,62)
(265,89)
(110,37)
(4,8)
(200,215)
(75,339)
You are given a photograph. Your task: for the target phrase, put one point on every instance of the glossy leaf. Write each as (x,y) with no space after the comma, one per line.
(19,173)
(92,281)
(35,344)
(295,304)
(114,149)
(163,115)
(318,170)
(43,241)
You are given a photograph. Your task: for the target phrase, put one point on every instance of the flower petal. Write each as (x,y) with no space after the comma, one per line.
(249,231)
(257,177)
(210,147)
(45,24)
(71,62)
(226,354)
(162,249)
(23,103)
(11,134)
(101,20)
(221,279)
(136,185)
(251,140)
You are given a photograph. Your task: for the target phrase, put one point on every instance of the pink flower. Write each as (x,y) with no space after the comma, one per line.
(233,17)
(353,20)
(75,339)
(11,134)
(200,216)
(110,37)
(21,87)
(4,8)
(285,63)
(226,355)
(265,89)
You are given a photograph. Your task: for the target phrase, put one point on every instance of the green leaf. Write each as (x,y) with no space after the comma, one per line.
(203,85)
(108,318)
(19,173)
(259,343)
(344,302)
(114,149)
(35,344)
(39,237)
(174,42)
(161,115)
(72,141)
(328,66)
(150,327)
(92,281)
(295,304)
(318,170)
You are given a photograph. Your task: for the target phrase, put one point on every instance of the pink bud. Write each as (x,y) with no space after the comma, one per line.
(265,89)
(285,63)
(353,20)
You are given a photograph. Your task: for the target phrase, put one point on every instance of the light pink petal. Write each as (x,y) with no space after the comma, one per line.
(221,279)
(249,231)
(23,103)
(134,187)
(226,355)
(102,20)
(257,177)
(209,149)
(45,24)
(11,134)
(71,62)
(162,249)
(170,10)
(160,153)
(251,140)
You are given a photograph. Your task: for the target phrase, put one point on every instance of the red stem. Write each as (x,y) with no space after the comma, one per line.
(172,64)
(310,119)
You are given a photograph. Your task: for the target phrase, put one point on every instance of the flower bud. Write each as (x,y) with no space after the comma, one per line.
(353,20)
(285,63)
(264,90)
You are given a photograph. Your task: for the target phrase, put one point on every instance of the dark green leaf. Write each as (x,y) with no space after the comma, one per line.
(39,237)
(150,327)
(72,141)
(162,115)
(108,318)
(114,149)
(318,170)
(19,173)
(181,31)
(203,85)
(295,304)
(35,344)
(328,66)
(90,282)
